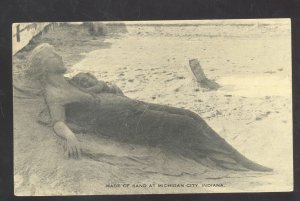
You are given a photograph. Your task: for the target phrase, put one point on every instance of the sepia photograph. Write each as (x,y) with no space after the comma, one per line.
(152,107)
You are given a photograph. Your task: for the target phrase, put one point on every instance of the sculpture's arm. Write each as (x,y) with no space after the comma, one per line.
(100,87)
(76,95)
(57,112)
(71,144)
(95,89)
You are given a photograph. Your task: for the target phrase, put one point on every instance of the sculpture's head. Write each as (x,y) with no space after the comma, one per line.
(44,60)
(85,80)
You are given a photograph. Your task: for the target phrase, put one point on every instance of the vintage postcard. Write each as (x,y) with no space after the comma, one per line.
(152,107)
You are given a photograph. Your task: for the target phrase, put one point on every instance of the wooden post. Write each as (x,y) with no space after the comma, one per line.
(18,33)
(200,76)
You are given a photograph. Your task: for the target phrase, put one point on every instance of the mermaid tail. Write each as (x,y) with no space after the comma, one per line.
(209,148)
(234,160)
(172,129)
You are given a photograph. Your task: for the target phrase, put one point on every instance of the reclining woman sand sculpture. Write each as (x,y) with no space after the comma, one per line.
(106,111)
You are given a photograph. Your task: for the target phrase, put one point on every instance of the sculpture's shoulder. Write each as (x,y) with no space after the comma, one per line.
(59,95)
(54,94)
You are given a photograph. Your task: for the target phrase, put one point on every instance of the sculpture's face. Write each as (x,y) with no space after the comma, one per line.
(53,62)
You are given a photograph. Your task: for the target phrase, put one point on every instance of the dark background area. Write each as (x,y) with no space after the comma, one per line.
(112,10)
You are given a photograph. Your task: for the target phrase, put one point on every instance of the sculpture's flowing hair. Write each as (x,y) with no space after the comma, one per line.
(34,72)
(35,69)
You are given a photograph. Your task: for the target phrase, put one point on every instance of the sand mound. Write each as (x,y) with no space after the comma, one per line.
(41,167)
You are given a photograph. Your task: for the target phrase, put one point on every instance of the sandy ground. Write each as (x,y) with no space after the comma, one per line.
(252,109)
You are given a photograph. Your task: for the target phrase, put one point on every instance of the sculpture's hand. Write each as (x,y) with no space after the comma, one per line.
(71,144)
(96,98)
(116,89)
(72,147)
